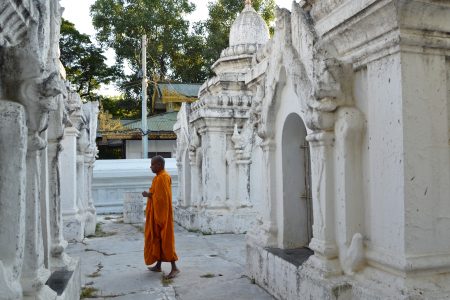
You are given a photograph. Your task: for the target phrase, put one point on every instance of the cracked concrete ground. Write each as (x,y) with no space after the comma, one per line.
(212,266)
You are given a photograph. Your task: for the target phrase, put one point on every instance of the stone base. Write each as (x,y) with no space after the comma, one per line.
(375,284)
(215,221)
(133,208)
(45,293)
(74,227)
(9,288)
(73,287)
(292,279)
(91,223)
(287,279)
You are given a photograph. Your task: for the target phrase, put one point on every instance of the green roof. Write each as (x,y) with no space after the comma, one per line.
(126,121)
(161,122)
(186,89)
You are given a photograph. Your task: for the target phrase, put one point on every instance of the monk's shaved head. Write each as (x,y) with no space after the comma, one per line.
(158,163)
(159,159)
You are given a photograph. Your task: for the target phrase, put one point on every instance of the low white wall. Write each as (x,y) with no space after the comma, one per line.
(113,178)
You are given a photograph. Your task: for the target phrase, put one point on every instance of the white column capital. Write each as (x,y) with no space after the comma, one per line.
(71,131)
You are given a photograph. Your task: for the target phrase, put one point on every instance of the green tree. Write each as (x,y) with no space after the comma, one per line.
(84,62)
(216,29)
(121,107)
(121,23)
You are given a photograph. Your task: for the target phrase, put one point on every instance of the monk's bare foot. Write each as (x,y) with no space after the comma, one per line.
(155,268)
(172,274)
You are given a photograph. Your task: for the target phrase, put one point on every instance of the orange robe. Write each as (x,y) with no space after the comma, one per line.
(159,237)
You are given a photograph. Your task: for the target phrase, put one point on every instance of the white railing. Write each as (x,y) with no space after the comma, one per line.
(113,178)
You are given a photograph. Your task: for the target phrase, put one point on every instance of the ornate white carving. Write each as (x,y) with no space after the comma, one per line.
(30,78)
(355,258)
(15,19)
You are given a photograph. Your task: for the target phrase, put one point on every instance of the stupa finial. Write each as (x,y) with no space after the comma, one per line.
(248,2)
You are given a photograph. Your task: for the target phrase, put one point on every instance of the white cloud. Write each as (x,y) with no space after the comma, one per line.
(77,12)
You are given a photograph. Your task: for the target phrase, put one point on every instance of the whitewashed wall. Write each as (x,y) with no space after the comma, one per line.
(134,147)
(113,178)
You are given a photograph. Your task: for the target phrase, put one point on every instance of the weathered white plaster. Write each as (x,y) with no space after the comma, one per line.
(32,107)
(77,159)
(210,144)
(90,110)
(133,208)
(12,187)
(73,227)
(74,221)
(373,104)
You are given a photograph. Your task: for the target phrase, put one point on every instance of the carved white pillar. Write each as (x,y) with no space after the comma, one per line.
(349,180)
(91,216)
(34,273)
(322,183)
(181,185)
(231,180)
(82,201)
(265,235)
(58,259)
(13,136)
(44,198)
(213,167)
(81,182)
(57,242)
(196,180)
(243,183)
(73,227)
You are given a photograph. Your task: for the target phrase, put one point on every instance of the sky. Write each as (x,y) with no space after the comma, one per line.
(77,12)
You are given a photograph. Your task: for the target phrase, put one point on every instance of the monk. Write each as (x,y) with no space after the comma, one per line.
(159,237)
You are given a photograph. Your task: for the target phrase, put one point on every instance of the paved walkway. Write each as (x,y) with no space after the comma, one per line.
(212,266)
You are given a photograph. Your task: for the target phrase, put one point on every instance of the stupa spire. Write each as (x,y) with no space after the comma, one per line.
(248,2)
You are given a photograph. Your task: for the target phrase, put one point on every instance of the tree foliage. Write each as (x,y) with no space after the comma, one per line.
(121,23)
(84,62)
(121,107)
(174,51)
(216,29)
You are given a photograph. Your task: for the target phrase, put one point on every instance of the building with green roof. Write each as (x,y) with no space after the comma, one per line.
(125,142)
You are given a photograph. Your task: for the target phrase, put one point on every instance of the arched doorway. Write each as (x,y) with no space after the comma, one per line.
(297,200)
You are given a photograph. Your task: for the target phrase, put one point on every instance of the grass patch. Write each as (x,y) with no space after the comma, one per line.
(94,275)
(97,272)
(100,233)
(166,281)
(208,275)
(88,292)
(198,231)
(98,251)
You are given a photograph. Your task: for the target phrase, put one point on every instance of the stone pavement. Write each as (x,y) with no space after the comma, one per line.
(212,266)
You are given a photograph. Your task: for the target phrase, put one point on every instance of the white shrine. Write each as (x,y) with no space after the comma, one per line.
(214,160)
(38,113)
(77,161)
(330,145)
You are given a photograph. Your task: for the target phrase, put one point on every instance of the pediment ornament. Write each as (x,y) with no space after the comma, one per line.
(320,80)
